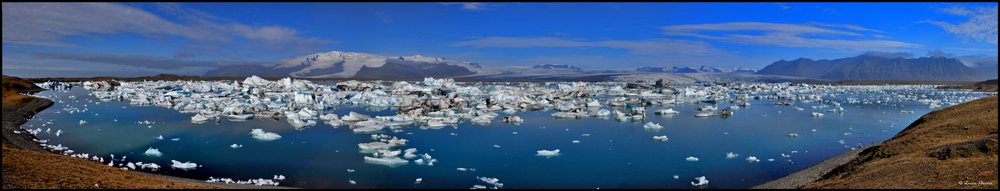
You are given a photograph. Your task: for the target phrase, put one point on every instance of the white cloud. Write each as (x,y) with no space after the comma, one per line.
(382,16)
(641,47)
(981,26)
(788,35)
(53,24)
(472,6)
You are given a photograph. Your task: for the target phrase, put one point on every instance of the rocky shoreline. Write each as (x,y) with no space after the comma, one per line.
(816,171)
(14,117)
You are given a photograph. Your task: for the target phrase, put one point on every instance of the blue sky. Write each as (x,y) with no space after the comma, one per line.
(137,39)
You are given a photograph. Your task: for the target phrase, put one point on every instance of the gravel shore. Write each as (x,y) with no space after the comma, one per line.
(814,172)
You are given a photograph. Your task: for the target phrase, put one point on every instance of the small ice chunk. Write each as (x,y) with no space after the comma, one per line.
(731,155)
(576,141)
(796,135)
(418,180)
(175,139)
(692,159)
(701,181)
(660,138)
(677,177)
(752,159)
(83,122)
(388,161)
(153,152)
(159,137)
(235,146)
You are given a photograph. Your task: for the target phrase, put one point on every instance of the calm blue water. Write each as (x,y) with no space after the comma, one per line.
(615,155)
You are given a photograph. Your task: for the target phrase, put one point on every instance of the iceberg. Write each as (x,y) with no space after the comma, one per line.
(235,146)
(692,159)
(753,159)
(199,118)
(548,153)
(153,152)
(701,181)
(731,155)
(665,111)
(388,161)
(815,114)
(183,166)
(651,125)
(660,138)
(260,134)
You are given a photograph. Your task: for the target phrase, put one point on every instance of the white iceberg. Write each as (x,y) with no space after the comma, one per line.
(731,155)
(665,111)
(548,153)
(235,146)
(153,152)
(701,181)
(651,125)
(184,166)
(260,134)
(388,161)
(692,159)
(815,114)
(753,159)
(660,138)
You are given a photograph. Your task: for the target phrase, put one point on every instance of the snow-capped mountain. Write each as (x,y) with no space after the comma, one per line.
(337,64)
(708,69)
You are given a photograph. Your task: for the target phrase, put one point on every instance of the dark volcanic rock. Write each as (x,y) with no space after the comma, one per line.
(876,68)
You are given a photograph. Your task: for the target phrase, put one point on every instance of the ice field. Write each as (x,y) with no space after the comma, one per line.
(437,133)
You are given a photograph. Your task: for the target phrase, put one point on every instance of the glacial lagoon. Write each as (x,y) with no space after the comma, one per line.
(593,152)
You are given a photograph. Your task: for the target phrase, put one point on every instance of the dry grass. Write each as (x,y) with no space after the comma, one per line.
(11,85)
(940,150)
(36,170)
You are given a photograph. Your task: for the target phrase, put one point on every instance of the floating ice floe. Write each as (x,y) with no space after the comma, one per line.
(660,138)
(260,134)
(815,114)
(83,122)
(183,166)
(665,111)
(651,125)
(752,159)
(153,152)
(235,146)
(796,135)
(701,181)
(388,161)
(548,153)
(692,159)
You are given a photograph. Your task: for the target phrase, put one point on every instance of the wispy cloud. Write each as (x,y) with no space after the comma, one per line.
(981,26)
(144,61)
(471,6)
(54,24)
(788,35)
(382,16)
(974,49)
(641,47)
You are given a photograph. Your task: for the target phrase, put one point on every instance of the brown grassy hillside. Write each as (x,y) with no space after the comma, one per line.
(11,85)
(954,147)
(37,170)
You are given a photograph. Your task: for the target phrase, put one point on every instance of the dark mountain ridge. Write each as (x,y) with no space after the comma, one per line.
(866,67)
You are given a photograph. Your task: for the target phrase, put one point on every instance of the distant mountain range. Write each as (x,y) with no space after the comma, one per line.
(695,70)
(338,64)
(867,67)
